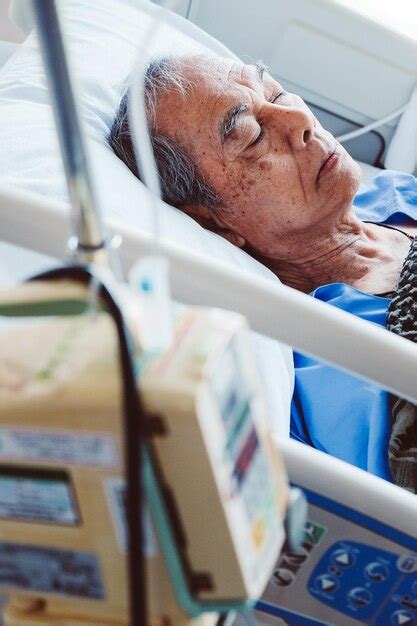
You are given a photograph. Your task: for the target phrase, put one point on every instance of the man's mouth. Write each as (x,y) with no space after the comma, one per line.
(331,159)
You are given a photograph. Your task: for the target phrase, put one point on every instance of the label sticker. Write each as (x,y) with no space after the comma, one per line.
(50,570)
(36,495)
(116,496)
(86,449)
(313,533)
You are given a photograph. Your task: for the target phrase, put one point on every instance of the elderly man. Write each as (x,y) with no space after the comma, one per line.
(250,161)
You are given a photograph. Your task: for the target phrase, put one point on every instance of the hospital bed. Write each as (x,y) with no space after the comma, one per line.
(358,564)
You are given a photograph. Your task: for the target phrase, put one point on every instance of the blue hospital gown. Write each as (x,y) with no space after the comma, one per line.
(334,411)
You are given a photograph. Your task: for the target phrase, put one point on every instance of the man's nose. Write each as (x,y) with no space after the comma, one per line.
(298,124)
(300,127)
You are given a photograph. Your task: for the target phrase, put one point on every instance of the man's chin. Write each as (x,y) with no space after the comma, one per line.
(356,170)
(350,170)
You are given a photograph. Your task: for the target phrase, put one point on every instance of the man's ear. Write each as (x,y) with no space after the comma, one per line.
(209,219)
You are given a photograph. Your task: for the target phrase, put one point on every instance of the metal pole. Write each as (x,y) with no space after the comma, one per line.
(89,243)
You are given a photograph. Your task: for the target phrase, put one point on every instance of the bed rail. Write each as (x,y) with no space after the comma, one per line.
(272,309)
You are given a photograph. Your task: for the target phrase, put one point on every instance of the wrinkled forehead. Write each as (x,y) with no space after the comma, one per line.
(212,82)
(216,72)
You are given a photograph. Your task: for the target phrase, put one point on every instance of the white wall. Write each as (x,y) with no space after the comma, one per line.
(400,15)
(8,31)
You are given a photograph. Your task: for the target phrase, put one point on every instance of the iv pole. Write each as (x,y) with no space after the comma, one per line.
(90,242)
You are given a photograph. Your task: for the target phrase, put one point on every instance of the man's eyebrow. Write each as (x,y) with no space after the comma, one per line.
(261,68)
(229,122)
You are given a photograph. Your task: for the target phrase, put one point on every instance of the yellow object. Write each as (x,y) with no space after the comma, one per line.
(63,534)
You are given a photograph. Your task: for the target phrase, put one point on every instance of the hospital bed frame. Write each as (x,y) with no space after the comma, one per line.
(272,309)
(356,513)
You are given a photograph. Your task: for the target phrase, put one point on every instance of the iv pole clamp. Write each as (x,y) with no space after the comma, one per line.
(91,243)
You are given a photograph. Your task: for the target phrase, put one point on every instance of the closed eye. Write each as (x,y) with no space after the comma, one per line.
(281,93)
(262,132)
(259,137)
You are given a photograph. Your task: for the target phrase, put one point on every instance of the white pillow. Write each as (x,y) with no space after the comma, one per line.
(103,38)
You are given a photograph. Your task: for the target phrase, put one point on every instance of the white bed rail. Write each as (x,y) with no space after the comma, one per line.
(351,486)
(306,324)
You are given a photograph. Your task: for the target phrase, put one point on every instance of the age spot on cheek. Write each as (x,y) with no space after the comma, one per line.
(246,183)
(265,165)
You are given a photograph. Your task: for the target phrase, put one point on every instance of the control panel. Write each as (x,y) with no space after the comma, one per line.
(350,570)
(367,583)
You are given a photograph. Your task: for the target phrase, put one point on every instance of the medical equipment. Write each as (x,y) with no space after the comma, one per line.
(346,504)
(63,531)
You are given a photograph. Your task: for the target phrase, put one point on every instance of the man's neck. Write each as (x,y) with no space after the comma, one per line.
(348,252)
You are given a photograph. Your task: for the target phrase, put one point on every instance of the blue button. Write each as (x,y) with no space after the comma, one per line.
(343,558)
(359,597)
(326,583)
(402,618)
(377,572)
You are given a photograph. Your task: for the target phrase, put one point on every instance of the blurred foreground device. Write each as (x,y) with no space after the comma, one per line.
(63,535)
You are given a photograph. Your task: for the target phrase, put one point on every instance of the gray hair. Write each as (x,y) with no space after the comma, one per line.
(180,179)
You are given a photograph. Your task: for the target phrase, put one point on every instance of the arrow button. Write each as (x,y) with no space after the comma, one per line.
(402,618)
(326,583)
(343,558)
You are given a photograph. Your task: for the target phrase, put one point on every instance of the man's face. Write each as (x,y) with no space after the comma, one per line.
(263,152)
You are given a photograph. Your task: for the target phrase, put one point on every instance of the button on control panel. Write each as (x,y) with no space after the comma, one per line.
(359,597)
(376,571)
(402,618)
(326,583)
(370,585)
(343,558)
(283,577)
